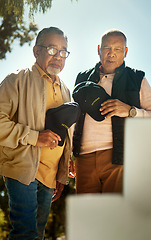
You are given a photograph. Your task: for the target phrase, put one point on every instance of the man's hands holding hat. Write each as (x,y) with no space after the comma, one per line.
(114,107)
(47,138)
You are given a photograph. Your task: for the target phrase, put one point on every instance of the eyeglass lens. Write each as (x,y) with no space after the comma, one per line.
(54,51)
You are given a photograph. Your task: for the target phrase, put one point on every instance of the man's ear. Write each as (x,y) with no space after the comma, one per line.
(126,50)
(99,50)
(36,51)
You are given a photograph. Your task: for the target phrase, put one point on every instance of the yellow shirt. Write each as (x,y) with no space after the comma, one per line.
(49,160)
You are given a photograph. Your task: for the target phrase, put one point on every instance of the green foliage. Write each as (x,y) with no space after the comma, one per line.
(12,25)
(10,30)
(4,219)
(38,6)
(12,7)
(3,223)
(17,7)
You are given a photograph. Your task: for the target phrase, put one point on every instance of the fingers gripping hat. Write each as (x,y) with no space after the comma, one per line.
(90,96)
(59,119)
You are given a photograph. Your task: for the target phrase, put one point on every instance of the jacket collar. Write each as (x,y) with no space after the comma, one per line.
(95,74)
(117,70)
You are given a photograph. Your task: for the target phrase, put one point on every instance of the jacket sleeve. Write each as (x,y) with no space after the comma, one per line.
(12,133)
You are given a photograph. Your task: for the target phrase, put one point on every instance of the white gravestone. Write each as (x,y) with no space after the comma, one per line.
(115,216)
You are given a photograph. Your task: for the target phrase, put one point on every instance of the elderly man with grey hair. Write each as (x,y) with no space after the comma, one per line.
(98,145)
(34,166)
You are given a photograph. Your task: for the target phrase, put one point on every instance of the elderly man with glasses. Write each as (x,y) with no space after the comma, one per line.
(34,167)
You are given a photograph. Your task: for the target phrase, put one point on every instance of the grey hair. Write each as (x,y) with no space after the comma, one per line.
(114,32)
(51,30)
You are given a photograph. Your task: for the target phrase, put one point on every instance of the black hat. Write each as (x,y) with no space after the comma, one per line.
(90,96)
(59,119)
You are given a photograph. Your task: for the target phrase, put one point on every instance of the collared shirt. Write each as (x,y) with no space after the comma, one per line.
(98,135)
(50,158)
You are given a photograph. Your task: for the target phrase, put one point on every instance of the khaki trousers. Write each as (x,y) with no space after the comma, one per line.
(95,173)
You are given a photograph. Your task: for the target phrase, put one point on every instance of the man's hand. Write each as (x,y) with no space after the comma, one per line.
(48,138)
(115,107)
(57,191)
(72,172)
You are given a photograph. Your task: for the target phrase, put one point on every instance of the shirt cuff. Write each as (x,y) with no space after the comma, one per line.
(33,137)
(142,113)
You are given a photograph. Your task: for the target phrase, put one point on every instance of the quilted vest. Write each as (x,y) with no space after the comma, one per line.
(126,88)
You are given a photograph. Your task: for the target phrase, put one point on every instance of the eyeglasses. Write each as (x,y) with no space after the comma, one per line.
(53,51)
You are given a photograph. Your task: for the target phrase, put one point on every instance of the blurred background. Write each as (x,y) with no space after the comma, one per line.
(83,22)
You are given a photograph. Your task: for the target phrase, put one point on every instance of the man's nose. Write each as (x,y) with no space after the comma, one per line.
(57,55)
(111,52)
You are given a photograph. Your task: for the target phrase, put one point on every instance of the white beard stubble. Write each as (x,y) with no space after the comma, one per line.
(53,71)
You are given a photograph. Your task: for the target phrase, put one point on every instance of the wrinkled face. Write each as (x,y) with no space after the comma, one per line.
(51,65)
(112,53)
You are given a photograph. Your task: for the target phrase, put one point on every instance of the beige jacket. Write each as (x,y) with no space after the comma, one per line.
(22,116)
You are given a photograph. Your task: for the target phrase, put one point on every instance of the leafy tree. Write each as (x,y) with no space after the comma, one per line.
(12,25)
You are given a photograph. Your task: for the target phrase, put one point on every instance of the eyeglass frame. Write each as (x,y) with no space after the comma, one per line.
(56,52)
